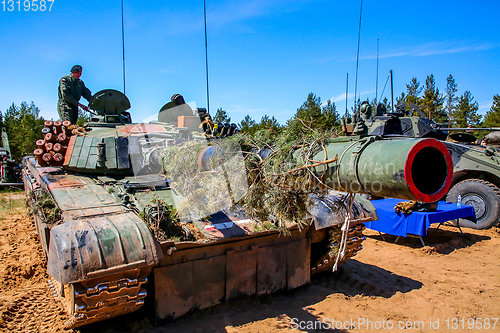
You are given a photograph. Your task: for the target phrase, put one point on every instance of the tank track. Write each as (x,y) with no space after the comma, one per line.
(91,301)
(354,239)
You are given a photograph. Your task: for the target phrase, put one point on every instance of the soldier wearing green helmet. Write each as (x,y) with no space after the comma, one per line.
(71,89)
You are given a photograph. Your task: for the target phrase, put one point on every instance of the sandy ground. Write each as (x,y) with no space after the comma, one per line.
(450,285)
(26,304)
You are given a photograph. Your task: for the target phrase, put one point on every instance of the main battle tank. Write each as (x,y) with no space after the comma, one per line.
(104,213)
(476,169)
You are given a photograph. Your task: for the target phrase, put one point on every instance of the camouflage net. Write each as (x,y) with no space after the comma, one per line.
(278,188)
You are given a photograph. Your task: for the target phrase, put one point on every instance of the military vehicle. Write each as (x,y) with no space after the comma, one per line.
(476,169)
(10,171)
(103,212)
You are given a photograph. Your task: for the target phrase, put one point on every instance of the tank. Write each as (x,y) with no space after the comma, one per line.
(476,168)
(103,209)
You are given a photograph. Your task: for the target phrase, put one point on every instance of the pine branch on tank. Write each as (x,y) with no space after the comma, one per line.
(280,186)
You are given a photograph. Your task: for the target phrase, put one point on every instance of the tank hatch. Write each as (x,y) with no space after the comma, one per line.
(111,107)
(170,112)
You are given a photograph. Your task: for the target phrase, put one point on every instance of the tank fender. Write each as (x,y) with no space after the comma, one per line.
(99,246)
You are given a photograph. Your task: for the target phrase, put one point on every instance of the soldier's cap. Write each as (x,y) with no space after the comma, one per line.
(76,69)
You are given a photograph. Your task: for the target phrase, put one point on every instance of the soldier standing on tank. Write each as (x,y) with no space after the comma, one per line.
(71,89)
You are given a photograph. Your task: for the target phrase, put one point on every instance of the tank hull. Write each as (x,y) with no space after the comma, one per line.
(98,276)
(197,277)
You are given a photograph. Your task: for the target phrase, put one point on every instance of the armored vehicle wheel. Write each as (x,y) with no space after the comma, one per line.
(483,196)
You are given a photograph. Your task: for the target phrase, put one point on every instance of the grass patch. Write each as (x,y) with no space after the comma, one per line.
(12,202)
(11,189)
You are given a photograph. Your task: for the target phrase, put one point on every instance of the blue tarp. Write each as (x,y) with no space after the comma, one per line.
(415,223)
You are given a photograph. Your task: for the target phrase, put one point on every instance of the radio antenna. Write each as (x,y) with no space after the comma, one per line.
(357,59)
(206,52)
(376,82)
(123,50)
(346,94)
(392,92)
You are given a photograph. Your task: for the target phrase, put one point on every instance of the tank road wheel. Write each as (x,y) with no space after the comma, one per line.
(483,196)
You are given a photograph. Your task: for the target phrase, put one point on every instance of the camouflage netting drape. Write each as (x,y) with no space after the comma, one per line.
(268,174)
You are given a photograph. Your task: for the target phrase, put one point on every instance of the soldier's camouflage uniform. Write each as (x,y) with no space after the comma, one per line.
(70,91)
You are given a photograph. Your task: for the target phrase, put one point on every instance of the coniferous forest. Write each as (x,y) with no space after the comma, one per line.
(23,122)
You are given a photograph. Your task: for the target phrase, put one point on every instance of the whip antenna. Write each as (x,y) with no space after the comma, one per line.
(206,52)
(346,93)
(392,93)
(376,83)
(388,77)
(123,50)
(357,58)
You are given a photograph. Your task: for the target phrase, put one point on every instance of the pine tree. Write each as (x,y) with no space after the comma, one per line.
(310,109)
(269,123)
(432,102)
(83,117)
(248,125)
(451,99)
(316,116)
(401,98)
(413,91)
(465,113)
(492,117)
(24,126)
(412,95)
(221,117)
(373,104)
(330,115)
(387,104)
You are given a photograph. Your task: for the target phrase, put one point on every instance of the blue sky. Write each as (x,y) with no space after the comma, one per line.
(265,56)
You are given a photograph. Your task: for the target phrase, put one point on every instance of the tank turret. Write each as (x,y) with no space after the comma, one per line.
(110,144)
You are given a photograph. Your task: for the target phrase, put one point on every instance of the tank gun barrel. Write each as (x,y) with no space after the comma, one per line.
(411,169)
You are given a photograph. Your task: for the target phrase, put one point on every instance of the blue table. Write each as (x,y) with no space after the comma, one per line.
(415,223)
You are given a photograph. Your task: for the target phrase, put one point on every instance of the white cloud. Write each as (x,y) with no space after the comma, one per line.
(436,48)
(167,71)
(220,15)
(341,97)
(231,11)
(484,107)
